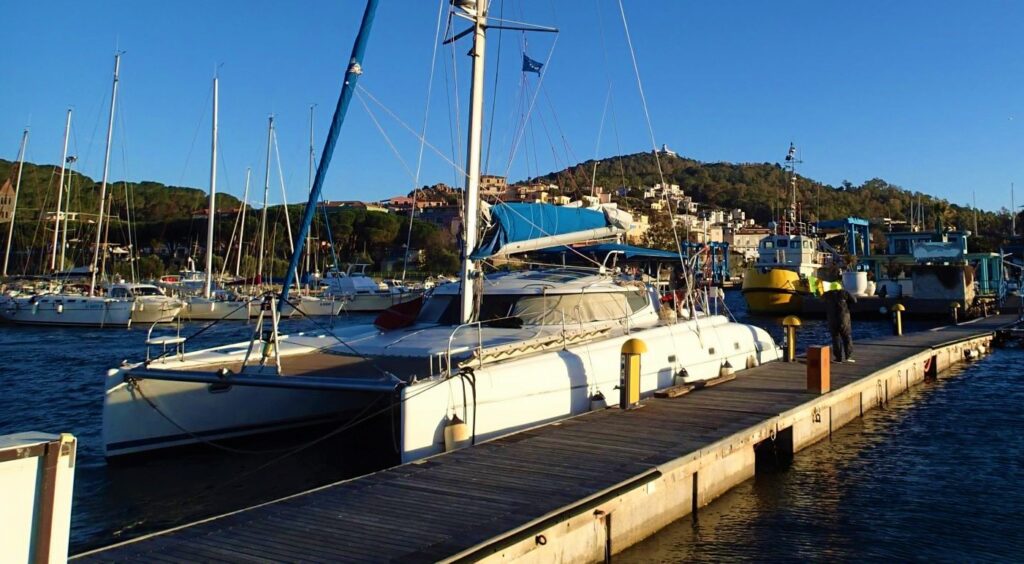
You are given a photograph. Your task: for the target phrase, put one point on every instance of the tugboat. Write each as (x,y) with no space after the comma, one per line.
(788,263)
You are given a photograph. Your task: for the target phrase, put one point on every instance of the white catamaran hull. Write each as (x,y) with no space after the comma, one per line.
(510,395)
(182,413)
(67,310)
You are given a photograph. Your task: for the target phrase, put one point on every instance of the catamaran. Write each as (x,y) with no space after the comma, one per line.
(491,354)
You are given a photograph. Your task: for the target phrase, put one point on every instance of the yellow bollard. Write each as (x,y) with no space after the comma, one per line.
(897,313)
(791,322)
(629,382)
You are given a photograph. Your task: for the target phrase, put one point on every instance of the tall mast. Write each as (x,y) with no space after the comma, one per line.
(106,173)
(1013,213)
(64,228)
(213,193)
(312,156)
(60,194)
(478,15)
(352,72)
(266,193)
(17,189)
(241,228)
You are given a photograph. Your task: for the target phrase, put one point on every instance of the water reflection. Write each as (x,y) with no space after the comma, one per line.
(938,474)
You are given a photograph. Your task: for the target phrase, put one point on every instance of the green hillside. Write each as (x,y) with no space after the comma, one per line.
(758,188)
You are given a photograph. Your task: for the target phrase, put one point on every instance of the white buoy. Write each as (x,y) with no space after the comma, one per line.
(456,434)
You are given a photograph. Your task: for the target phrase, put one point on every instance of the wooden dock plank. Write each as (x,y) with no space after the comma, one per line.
(434,508)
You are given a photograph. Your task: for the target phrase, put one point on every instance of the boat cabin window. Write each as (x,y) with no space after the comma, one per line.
(506,309)
(119,292)
(794,244)
(144,291)
(768,244)
(782,244)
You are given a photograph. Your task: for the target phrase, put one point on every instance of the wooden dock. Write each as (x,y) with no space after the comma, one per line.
(579,490)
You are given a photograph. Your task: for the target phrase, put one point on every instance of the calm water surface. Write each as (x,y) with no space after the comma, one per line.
(919,479)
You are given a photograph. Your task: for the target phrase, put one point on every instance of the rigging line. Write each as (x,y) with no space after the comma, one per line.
(459,154)
(192,146)
(654,143)
(611,99)
(423,136)
(360,88)
(597,145)
(451,126)
(128,196)
(533,101)
(494,92)
(373,118)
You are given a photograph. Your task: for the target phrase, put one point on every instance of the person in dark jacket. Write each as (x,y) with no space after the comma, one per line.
(837,310)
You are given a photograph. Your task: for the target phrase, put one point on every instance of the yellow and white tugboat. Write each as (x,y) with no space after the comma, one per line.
(788,263)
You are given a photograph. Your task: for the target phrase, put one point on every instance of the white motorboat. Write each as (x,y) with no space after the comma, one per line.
(219,306)
(318,306)
(67,310)
(362,292)
(151,305)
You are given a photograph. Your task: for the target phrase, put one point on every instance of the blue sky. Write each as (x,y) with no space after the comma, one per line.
(926,94)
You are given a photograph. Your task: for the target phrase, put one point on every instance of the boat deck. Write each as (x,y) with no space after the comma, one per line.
(480,501)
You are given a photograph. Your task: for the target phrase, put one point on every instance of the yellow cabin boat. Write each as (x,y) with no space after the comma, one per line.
(786,270)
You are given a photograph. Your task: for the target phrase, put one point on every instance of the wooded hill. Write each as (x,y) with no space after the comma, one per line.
(172,218)
(760,188)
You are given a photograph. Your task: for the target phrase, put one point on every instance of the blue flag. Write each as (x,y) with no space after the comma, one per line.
(529,65)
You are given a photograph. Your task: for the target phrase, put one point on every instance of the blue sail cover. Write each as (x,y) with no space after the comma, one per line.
(515,222)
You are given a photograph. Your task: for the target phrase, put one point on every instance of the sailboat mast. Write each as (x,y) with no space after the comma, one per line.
(1013,213)
(60,194)
(352,72)
(207,287)
(106,173)
(64,228)
(241,227)
(17,190)
(266,193)
(472,195)
(312,155)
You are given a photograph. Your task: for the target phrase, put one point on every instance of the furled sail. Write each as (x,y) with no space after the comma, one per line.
(519,227)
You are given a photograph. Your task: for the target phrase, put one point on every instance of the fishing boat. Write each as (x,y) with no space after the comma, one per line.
(789,260)
(488,355)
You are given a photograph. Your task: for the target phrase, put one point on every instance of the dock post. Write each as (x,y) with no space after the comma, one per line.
(897,314)
(954,312)
(38,471)
(791,322)
(629,385)
(819,371)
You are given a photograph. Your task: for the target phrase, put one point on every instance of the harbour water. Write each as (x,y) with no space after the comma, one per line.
(824,504)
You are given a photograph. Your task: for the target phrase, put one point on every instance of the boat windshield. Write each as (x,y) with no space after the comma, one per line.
(512,310)
(146,291)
